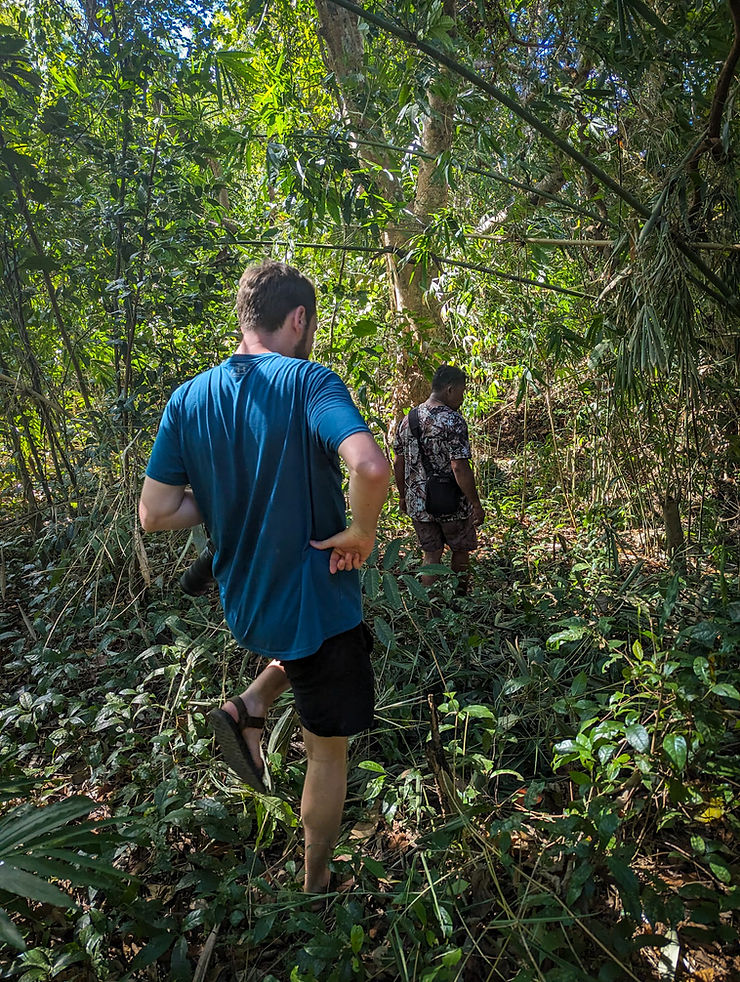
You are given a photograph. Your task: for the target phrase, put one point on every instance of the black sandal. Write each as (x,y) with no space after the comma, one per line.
(232,744)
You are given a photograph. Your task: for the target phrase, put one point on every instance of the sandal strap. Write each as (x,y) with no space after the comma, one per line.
(245,719)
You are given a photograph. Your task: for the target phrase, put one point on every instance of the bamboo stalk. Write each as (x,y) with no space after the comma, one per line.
(50,289)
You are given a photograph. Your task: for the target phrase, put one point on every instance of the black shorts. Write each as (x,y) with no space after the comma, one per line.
(334,688)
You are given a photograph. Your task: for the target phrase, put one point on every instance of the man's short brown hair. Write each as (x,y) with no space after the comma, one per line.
(267,293)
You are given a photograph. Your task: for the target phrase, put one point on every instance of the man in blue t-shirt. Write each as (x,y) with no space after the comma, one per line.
(258,440)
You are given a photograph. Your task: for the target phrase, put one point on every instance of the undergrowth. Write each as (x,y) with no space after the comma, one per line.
(549,792)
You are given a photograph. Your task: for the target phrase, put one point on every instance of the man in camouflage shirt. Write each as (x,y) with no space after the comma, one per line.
(444,435)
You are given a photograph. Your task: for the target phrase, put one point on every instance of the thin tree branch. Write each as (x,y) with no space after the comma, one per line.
(403,253)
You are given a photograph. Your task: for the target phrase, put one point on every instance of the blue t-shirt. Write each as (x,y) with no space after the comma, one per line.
(256,438)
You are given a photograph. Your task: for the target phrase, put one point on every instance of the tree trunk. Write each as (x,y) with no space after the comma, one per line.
(674,532)
(418,312)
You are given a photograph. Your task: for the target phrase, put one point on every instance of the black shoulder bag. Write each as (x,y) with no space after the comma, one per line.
(443,492)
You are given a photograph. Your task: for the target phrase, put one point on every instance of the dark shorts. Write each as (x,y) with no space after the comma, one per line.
(459,535)
(334,687)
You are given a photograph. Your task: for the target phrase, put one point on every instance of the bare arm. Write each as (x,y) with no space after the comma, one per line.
(167,506)
(399,472)
(465,478)
(369,475)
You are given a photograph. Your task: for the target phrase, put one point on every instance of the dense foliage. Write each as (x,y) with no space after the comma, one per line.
(544,193)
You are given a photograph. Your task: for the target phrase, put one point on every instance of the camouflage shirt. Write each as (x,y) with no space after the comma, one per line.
(444,433)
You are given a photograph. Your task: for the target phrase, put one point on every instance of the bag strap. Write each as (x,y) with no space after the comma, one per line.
(415,431)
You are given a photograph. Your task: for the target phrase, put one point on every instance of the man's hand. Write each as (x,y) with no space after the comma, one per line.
(349,549)
(477,514)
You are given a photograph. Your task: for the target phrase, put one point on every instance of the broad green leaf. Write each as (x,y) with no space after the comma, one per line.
(180,968)
(720,869)
(371,582)
(566,747)
(435,569)
(26,826)
(638,737)
(384,632)
(14,880)
(20,162)
(9,933)
(628,884)
(391,592)
(376,868)
(371,765)
(574,633)
(263,927)
(415,588)
(701,670)
(390,555)
(364,328)
(356,938)
(479,712)
(726,690)
(151,952)
(676,750)
(47,263)
(579,684)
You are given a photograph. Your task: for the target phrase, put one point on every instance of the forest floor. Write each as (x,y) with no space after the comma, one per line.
(550,791)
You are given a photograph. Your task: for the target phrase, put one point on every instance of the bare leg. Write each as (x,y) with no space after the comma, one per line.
(258,697)
(324,791)
(430,559)
(460,564)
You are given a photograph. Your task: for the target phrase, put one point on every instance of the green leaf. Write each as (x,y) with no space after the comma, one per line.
(676,750)
(391,553)
(263,927)
(14,880)
(376,868)
(19,162)
(726,690)
(26,826)
(720,869)
(9,933)
(451,958)
(384,633)
(391,592)
(435,569)
(11,43)
(579,684)
(364,328)
(638,737)
(574,633)
(150,952)
(649,15)
(701,670)
(479,712)
(371,582)
(371,765)
(628,884)
(566,747)
(180,968)
(356,938)
(46,263)
(415,588)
